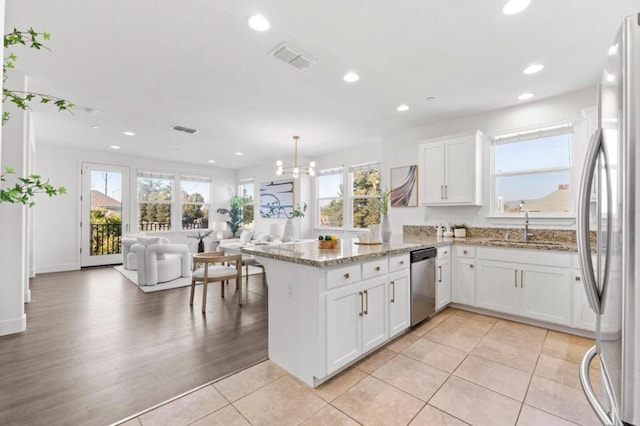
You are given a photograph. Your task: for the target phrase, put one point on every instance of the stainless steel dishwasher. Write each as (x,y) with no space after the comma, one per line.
(423,284)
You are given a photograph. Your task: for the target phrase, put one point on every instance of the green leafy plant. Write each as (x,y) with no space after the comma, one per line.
(235,213)
(385,195)
(459,226)
(26,188)
(275,209)
(200,236)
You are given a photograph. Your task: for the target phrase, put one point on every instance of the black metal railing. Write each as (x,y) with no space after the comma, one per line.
(106,239)
(154,226)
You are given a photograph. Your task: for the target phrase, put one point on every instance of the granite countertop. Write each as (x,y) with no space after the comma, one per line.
(493,242)
(308,253)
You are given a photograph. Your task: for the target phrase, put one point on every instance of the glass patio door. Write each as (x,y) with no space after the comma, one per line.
(105,213)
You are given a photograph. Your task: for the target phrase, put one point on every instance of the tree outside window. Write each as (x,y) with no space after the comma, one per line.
(246,191)
(366,196)
(330,192)
(195,201)
(155,196)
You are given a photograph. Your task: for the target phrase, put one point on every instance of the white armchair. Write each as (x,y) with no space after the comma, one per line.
(129,258)
(158,263)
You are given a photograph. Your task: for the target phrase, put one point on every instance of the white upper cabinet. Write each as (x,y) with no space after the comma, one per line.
(451,171)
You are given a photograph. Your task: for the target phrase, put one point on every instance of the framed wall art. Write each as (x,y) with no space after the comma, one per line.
(277,195)
(404,186)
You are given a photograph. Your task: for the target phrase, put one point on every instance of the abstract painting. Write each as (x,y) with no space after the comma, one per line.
(277,195)
(404,186)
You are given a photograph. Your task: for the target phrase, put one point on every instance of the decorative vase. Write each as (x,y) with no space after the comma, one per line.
(289,231)
(201,246)
(386,229)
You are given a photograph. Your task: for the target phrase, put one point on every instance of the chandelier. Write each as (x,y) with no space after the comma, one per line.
(295,170)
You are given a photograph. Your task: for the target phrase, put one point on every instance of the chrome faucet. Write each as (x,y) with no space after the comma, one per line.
(525,233)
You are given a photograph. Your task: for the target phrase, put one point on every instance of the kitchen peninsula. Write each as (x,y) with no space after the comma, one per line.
(329,308)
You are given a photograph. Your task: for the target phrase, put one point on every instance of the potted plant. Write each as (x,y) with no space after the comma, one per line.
(384,210)
(460,230)
(234,212)
(200,236)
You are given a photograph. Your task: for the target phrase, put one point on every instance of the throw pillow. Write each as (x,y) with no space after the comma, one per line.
(147,241)
(245,237)
(263,237)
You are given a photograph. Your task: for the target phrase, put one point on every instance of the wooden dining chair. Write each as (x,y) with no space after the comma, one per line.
(215,266)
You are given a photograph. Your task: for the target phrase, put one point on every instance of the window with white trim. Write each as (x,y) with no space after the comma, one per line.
(195,201)
(155,199)
(365,195)
(330,198)
(532,171)
(246,191)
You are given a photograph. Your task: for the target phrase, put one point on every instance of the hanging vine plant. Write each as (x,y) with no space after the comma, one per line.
(25,188)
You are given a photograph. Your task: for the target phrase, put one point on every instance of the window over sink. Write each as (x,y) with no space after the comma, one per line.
(532,172)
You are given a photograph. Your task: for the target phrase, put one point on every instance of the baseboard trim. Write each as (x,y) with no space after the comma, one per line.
(27,296)
(14,325)
(57,268)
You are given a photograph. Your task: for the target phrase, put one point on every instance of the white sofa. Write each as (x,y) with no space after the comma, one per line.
(158,261)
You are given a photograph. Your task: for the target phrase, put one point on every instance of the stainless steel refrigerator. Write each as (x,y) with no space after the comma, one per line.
(609,200)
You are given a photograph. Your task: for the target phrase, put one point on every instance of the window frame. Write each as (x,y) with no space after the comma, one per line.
(354,198)
(530,135)
(336,171)
(240,193)
(194,178)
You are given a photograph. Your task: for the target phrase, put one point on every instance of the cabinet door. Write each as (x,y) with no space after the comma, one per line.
(432,173)
(443,283)
(463,288)
(545,293)
(582,316)
(496,286)
(374,319)
(344,328)
(460,170)
(399,303)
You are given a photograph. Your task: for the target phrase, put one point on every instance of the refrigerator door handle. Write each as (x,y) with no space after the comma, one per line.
(584,244)
(585,381)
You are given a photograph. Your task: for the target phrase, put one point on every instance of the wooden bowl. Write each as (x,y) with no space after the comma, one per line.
(331,244)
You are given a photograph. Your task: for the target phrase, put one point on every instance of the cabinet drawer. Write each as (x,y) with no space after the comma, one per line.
(465,251)
(343,275)
(444,252)
(375,268)
(399,262)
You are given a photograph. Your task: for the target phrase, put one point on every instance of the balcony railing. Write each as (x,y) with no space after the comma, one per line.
(106,239)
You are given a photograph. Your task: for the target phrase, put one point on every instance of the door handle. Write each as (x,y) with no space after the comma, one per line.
(393,291)
(515,278)
(440,272)
(585,381)
(366,303)
(521,278)
(361,304)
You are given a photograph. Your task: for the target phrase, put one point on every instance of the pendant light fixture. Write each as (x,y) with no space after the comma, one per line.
(295,170)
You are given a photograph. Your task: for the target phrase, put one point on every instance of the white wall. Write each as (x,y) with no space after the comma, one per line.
(305,188)
(56,219)
(402,150)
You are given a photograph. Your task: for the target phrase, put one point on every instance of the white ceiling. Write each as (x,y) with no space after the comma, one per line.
(147,65)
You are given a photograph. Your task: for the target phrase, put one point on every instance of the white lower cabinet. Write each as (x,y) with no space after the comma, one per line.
(399,302)
(443,282)
(582,316)
(463,277)
(538,288)
(356,321)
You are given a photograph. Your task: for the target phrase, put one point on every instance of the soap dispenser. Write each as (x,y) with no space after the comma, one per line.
(439,230)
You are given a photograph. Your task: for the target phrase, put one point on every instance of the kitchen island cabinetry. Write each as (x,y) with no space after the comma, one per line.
(327,309)
(441,162)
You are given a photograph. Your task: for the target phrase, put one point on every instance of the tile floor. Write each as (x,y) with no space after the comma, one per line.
(458,368)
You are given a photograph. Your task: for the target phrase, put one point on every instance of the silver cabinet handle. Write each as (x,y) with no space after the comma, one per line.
(346,276)
(366,303)
(442,192)
(585,381)
(464,251)
(402,262)
(471,265)
(393,291)
(577,278)
(378,268)
(515,278)
(446,195)
(521,277)
(440,274)
(361,304)
(584,245)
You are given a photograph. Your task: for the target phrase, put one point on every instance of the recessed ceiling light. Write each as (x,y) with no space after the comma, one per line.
(610,78)
(533,68)
(239,153)
(403,108)
(613,50)
(212,161)
(351,77)
(115,147)
(95,127)
(259,23)
(525,96)
(515,6)
(128,133)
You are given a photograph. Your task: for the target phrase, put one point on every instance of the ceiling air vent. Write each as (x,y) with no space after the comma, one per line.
(184,129)
(293,56)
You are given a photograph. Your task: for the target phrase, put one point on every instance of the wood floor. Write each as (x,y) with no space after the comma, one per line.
(97,349)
